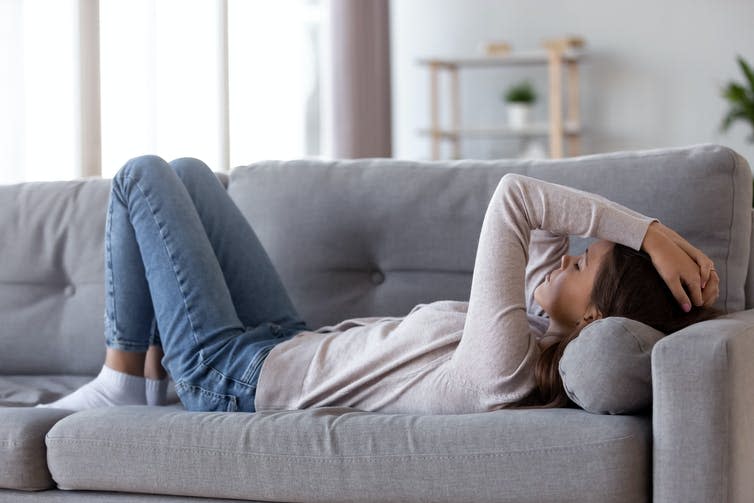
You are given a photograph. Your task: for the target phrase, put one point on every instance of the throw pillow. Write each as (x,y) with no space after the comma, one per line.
(607,369)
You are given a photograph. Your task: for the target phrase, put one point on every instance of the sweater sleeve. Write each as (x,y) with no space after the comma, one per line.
(545,252)
(497,350)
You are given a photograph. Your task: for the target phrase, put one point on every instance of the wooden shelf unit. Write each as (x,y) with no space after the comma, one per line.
(558,128)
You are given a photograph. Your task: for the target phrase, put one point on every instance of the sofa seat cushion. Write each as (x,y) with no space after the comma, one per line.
(23,456)
(334,454)
(55,496)
(28,390)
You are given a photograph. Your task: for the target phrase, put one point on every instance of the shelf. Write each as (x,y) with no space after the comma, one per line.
(536,129)
(534,57)
(562,129)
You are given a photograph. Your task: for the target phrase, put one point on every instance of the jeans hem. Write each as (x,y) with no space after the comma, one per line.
(128,346)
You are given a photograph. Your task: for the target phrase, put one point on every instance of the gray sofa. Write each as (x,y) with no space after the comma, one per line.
(370,238)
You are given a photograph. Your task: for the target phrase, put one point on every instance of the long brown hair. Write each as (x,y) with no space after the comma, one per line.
(628,285)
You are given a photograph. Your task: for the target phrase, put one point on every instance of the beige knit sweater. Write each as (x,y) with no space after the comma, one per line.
(451,357)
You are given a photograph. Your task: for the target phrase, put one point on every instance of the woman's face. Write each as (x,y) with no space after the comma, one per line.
(565,294)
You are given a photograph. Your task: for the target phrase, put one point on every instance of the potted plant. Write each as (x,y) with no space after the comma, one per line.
(741,100)
(520,98)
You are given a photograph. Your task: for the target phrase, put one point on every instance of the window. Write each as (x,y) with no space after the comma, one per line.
(39,134)
(227,81)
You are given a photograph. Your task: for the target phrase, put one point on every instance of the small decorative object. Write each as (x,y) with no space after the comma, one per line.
(564,43)
(741,99)
(520,99)
(496,48)
(533,150)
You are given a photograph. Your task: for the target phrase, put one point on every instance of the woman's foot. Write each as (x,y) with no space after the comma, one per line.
(108,389)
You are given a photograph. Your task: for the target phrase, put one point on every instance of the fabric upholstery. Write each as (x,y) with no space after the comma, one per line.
(333,454)
(378,236)
(366,260)
(23,463)
(607,369)
(52,294)
(703,412)
(28,390)
(749,286)
(55,496)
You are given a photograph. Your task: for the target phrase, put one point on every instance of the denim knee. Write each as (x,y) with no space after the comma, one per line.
(140,166)
(193,171)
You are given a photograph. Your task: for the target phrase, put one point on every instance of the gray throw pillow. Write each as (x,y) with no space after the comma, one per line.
(607,369)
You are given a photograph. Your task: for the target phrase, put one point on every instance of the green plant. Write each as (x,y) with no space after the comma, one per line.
(741,99)
(521,93)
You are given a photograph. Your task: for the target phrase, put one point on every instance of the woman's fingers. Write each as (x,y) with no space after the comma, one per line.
(694,285)
(706,268)
(680,294)
(681,265)
(712,290)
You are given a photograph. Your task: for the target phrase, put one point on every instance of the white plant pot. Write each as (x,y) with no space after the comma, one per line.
(518,115)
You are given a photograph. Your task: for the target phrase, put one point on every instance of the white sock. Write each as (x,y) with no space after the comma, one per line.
(157,391)
(108,389)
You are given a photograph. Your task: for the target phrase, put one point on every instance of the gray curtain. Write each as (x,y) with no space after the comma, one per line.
(361,78)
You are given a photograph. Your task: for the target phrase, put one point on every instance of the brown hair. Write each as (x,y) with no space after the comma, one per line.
(627,285)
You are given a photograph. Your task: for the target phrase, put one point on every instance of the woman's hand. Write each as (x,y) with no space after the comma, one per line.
(709,276)
(679,263)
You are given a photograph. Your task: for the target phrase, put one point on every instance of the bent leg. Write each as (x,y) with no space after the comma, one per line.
(209,352)
(255,286)
(192,305)
(128,304)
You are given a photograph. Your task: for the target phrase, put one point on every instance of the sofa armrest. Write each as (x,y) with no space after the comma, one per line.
(749,284)
(703,412)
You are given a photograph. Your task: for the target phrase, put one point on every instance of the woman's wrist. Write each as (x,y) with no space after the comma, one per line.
(652,237)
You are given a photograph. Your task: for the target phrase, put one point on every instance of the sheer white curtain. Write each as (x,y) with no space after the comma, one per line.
(39,126)
(160,80)
(227,81)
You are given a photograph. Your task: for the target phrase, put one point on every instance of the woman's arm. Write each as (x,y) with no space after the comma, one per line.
(545,251)
(497,350)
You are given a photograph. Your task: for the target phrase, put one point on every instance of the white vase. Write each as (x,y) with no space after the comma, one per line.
(518,115)
(534,150)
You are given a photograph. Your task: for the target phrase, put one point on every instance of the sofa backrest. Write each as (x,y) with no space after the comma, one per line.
(51,276)
(377,236)
(353,238)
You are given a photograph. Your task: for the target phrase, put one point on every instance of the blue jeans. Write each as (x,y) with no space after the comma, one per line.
(184,268)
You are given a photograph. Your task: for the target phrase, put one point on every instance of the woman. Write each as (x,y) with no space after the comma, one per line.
(185,270)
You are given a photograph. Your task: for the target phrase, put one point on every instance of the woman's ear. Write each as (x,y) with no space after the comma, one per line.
(591,314)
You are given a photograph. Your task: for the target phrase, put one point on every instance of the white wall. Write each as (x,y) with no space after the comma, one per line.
(651,79)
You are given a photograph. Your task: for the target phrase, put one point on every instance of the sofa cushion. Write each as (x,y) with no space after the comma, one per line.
(52,294)
(23,456)
(607,369)
(28,390)
(383,235)
(24,391)
(54,496)
(342,454)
